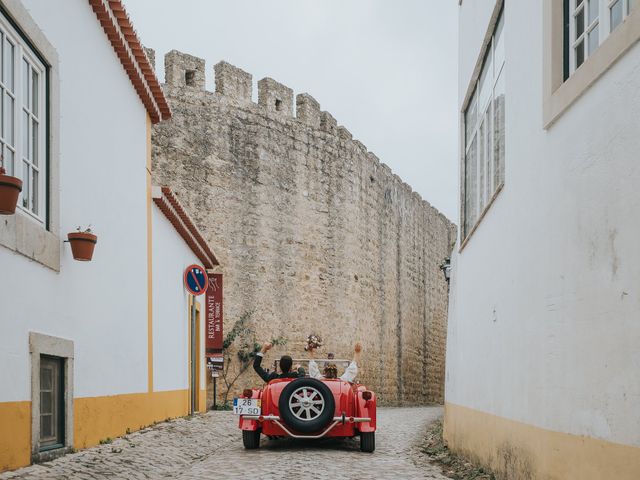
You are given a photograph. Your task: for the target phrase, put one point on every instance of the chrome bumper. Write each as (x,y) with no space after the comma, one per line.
(336,420)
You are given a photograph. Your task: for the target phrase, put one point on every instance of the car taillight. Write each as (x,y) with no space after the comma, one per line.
(367,395)
(247,393)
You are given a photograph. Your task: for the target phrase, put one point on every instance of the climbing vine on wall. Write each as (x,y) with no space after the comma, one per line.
(241,339)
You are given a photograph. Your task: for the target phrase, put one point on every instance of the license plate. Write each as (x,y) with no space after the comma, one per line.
(246,406)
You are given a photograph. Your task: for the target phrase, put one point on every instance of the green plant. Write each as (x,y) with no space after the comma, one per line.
(105,441)
(243,334)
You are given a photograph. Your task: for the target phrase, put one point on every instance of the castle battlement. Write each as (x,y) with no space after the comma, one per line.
(234,85)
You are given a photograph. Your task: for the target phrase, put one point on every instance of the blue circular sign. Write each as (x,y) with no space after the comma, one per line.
(196,280)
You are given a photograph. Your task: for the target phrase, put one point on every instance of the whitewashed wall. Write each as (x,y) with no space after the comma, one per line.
(544,325)
(100,305)
(171,255)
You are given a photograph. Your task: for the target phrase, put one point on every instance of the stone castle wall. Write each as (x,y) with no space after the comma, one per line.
(313,232)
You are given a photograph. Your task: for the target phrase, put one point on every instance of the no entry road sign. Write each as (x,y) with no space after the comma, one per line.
(195,280)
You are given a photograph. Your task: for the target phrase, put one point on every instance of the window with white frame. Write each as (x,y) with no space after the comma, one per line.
(484,131)
(23,118)
(587,24)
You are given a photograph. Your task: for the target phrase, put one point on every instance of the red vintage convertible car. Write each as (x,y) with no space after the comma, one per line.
(308,408)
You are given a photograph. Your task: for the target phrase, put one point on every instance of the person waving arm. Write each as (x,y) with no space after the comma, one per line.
(257,363)
(351,372)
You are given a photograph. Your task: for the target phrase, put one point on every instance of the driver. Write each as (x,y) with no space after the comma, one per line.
(285,365)
(331,370)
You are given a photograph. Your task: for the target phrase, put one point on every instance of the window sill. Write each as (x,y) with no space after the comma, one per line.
(50,454)
(614,47)
(482,215)
(26,237)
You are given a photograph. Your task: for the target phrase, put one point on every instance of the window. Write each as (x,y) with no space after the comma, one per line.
(51,396)
(52,408)
(190,78)
(22,121)
(484,132)
(590,22)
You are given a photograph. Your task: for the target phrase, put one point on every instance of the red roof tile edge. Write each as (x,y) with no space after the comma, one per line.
(169,205)
(116,24)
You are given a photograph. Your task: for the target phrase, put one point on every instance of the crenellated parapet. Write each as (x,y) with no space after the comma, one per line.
(233,82)
(308,110)
(235,86)
(275,97)
(183,70)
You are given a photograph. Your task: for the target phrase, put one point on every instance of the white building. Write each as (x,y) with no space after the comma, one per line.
(543,352)
(88,350)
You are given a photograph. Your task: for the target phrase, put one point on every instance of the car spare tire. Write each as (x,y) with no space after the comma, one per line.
(306,405)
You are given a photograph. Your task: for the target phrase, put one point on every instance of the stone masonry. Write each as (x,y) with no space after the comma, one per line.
(313,232)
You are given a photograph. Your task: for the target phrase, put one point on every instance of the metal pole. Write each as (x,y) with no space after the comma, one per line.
(193,355)
(214,392)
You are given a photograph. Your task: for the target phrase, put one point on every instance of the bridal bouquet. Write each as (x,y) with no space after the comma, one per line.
(313,342)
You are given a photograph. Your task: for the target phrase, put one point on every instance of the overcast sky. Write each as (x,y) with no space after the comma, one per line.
(385,69)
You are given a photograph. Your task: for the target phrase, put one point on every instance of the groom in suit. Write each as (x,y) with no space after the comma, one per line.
(286,363)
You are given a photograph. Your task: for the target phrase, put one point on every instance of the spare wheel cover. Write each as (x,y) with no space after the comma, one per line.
(306,405)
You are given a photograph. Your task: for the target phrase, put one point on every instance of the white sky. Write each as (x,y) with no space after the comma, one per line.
(385,69)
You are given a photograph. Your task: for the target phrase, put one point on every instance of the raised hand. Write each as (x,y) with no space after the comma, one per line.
(357,348)
(266,347)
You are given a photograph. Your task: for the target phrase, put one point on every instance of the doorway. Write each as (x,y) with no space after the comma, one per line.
(194,356)
(52,408)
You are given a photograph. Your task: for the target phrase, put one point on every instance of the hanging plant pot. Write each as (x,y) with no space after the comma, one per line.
(10,188)
(82,245)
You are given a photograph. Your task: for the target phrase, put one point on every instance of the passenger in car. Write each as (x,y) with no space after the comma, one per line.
(285,365)
(331,370)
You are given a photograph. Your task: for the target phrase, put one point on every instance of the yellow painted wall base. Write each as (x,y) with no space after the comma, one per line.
(95,419)
(15,435)
(517,450)
(202,400)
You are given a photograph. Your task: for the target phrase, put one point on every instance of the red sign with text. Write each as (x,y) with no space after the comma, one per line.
(214,325)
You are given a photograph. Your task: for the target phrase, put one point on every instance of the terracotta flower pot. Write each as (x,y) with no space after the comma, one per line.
(10,188)
(82,245)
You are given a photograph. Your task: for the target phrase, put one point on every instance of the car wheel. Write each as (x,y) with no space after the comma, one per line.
(306,405)
(367,441)
(251,439)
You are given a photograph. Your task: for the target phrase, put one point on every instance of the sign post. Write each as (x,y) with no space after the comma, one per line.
(196,282)
(214,329)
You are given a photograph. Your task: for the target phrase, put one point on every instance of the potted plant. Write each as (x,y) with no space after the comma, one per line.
(10,188)
(82,244)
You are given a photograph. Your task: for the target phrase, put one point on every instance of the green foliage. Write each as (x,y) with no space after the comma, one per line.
(240,329)
(224,406)
(242,335)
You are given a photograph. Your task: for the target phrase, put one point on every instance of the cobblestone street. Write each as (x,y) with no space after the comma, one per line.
(210,446)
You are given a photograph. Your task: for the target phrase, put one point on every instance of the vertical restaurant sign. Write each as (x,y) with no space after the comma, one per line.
(214,325)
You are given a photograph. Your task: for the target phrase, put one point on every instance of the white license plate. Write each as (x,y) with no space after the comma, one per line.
(246,406)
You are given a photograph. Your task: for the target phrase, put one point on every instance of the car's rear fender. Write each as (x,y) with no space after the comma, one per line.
(366,408)
(247,424)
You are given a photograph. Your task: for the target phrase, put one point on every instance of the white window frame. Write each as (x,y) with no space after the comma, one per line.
(602,22)
(21,159)
(486,186)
